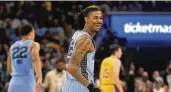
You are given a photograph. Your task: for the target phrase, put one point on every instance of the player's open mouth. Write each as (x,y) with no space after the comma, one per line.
(98,26)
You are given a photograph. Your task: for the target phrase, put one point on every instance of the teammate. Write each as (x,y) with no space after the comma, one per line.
(109,71)
(23,58)
(80,58)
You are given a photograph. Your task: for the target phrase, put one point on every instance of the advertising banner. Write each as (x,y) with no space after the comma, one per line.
(143,29)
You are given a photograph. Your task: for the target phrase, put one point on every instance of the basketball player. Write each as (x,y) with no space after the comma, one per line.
(23,56)
(109,71)
(80,58)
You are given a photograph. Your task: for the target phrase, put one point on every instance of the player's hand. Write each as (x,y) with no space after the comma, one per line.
(95,90)
(38,85)
(92,88)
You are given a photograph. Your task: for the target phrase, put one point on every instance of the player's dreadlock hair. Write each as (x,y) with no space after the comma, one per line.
(80,22)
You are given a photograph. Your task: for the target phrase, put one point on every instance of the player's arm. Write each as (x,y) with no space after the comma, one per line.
(101,69)
(36,59)
(117,66)
(82,46)
(37,64)
(9,69)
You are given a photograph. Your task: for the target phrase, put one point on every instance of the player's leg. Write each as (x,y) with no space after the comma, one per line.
(21,88)
(13,85)
(29,84)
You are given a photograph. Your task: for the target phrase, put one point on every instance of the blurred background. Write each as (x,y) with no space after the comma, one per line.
(142,28)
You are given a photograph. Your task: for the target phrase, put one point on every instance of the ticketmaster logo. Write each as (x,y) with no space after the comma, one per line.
(149,28)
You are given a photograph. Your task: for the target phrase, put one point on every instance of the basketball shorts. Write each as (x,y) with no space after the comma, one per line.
(72,85)
(22,84)
(109,88)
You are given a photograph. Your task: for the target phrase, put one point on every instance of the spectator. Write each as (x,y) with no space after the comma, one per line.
(149,86)
(136,6)
(139,85)
(46,68)
(69,31)
(167,78)
(131,75)
(158,85)
(121,6)
(156,75)
(124,85)
(16,23)
(55,78)
(58,32)
(4,78)
(140,72)
(49,22)
(132,69)
(97,82)
(15,36)
(105,7)
(48,5)
(145,77)
(4,43)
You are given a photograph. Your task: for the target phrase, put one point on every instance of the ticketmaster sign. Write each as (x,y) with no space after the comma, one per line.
(143,29)
(146,28)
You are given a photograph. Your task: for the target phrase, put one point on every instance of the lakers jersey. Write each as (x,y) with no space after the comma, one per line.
(21,58)
(86,66)
(107,71)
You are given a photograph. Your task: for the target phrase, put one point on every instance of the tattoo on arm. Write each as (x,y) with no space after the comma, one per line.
(83,45)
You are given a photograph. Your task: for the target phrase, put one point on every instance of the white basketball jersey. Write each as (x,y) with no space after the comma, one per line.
(86,66)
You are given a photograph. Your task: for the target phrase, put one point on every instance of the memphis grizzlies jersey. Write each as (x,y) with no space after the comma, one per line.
(21,58)
(86,66)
